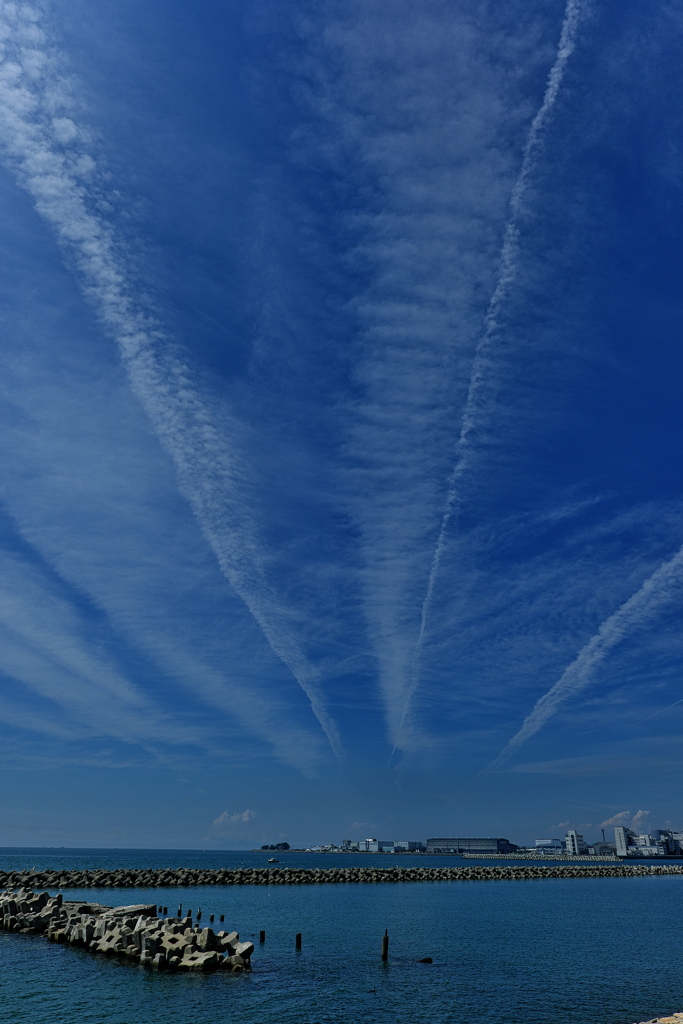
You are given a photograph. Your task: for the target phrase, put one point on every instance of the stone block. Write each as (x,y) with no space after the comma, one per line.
(135,911)
(149,944)
(229,941)
(207,940)
(173,944)
(200,961)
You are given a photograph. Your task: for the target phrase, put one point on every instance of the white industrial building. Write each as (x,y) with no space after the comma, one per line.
(658,843)
(574,843)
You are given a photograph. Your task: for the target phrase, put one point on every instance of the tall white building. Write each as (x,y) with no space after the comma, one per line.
(621,838)
(574,843)
(658,843)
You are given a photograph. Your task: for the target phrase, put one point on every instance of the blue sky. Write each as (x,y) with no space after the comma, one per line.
(340,420)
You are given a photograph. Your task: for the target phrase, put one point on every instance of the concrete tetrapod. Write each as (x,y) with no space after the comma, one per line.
(134,932)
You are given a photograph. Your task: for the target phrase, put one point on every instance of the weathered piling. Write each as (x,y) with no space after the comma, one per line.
(297,940)
(134,932)
(385,945)
(262,936)
(147,878)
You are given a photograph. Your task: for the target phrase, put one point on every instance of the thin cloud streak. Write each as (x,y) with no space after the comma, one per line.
(661,711)
(27,720)
(46,650)
(476,406)
(48,154)
(132,567)
(659,590)
(420,115)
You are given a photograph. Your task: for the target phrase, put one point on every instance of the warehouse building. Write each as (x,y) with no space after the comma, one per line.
(470,846)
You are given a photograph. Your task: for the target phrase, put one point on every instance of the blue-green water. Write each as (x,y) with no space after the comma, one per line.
(590,951)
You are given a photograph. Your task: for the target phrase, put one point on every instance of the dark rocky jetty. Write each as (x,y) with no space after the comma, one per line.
(135,932)
(145,878)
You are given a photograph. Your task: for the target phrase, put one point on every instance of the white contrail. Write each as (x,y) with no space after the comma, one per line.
(474,405)
(661,588)
(47,152)
(661,711)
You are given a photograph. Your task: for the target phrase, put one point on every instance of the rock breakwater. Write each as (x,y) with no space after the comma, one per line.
(145,878)
(677,1018)
(134,932)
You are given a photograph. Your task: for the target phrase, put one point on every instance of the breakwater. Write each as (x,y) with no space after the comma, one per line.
(590,858)
(147,878)
(135,933)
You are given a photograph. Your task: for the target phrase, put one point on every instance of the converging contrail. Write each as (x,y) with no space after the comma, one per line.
(48,154)
(663,587)
(474,405)
(661,711)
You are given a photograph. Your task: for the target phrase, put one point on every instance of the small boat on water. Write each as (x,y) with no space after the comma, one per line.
(272,860)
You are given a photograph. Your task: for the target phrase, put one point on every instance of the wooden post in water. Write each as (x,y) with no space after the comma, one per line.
(211,918)
(297,941)
(262,936)
(222,917)
(385,945)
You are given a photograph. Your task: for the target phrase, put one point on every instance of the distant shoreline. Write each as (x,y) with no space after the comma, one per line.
(591,858)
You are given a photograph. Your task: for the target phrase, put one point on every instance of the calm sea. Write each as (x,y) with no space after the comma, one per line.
(591,951)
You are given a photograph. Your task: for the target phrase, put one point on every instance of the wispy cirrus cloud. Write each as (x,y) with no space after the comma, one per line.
(93,506)
(481,387)
(662,589)
(48,648)
(417,119)
(50,156)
